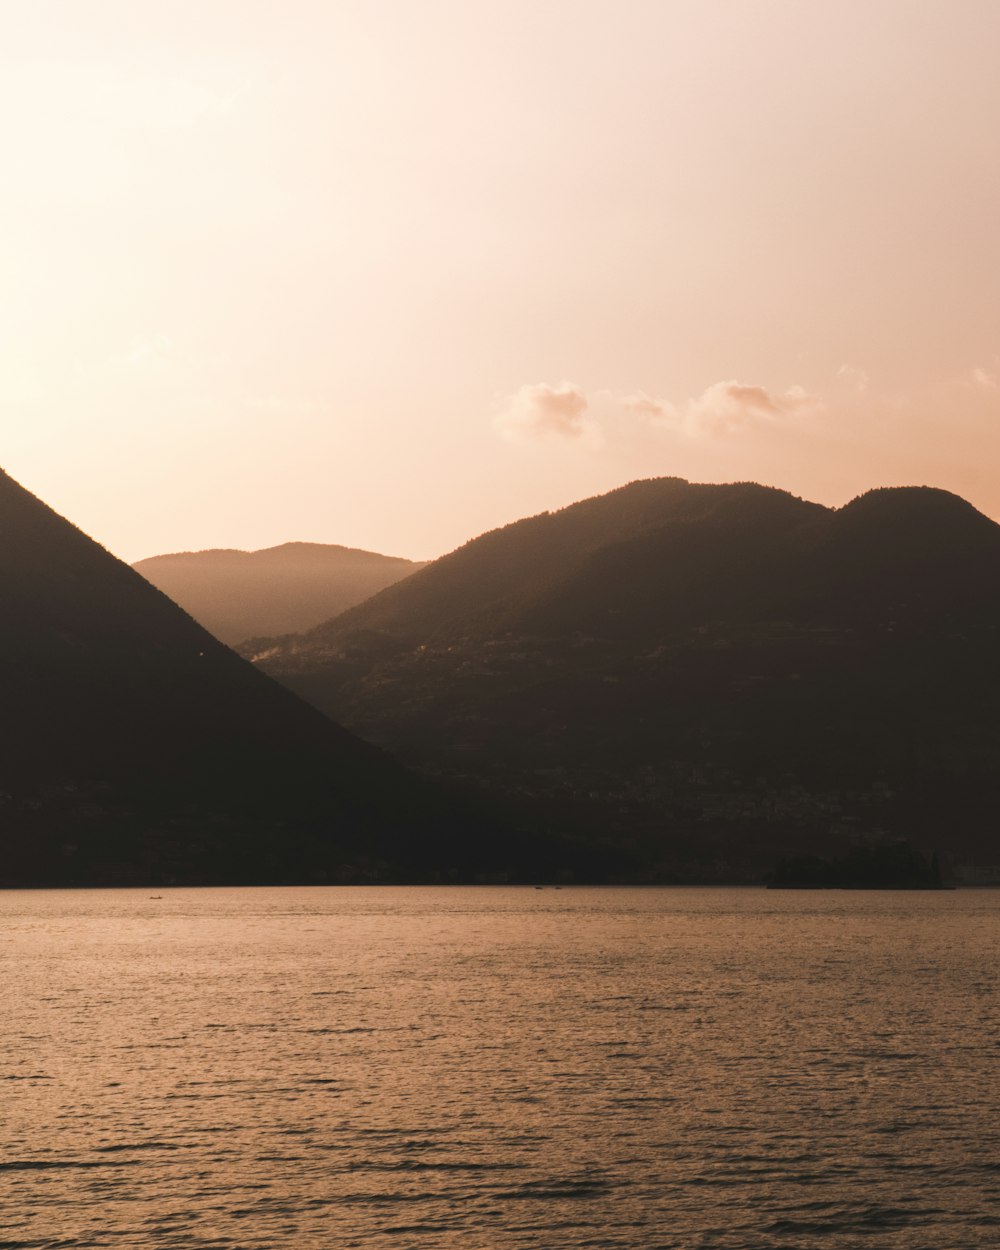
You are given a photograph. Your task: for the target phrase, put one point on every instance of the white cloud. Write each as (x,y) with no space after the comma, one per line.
(658,411)
(729,406)
(564,412)
(858,378)
(541,411)
(985,379)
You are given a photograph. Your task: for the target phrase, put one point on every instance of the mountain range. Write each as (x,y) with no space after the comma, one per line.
(697,678)
(136,748)
(286,589)
(672,682)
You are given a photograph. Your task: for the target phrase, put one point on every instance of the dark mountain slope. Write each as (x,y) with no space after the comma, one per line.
(505,577)
(286,589)
(135,747)
(708,675)
(910,554)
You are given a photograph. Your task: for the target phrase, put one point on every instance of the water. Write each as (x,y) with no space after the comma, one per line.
(486,1068)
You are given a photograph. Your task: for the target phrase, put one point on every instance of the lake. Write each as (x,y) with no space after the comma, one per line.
(490,1067)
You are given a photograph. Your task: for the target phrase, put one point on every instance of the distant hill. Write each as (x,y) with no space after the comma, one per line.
(136,748)
(286,589)
(708,677)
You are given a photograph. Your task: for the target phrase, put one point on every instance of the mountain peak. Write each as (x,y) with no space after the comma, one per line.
(153,752)
(909,502)
(711,675)
(276,590)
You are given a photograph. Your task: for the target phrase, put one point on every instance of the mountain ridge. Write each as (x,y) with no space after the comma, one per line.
(425,617)
(135,747)
(285,588)
(729,672)
(596,512)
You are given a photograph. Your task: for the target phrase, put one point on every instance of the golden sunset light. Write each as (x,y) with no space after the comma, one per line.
(500,636)
(295,272)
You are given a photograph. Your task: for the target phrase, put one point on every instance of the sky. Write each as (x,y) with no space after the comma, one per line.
(390,273)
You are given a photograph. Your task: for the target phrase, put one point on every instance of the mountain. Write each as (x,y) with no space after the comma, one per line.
(136,748)
(286,589)
(703,677)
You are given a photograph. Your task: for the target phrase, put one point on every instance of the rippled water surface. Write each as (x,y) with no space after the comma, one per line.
(484,1068)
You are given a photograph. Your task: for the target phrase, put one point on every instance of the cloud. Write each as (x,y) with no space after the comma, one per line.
(643,405)
(729,406)
(542,411)
(565,412)
(858,378)
(985,379)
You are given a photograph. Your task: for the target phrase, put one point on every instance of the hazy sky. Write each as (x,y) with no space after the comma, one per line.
(392,272)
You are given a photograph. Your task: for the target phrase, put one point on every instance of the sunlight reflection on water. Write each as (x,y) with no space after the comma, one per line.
(493,1067)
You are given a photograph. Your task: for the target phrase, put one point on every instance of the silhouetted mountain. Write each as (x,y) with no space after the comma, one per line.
(134,747)
(706,676)
(286,589)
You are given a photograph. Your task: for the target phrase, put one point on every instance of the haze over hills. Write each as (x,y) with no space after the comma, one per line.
(134,747)
(707,676)
(285,589)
